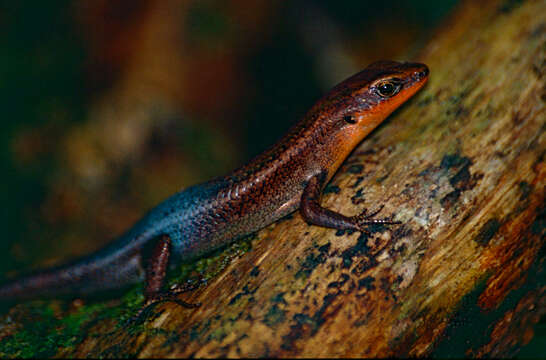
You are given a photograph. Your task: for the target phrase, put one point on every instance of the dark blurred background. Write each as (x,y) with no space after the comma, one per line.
(111,106)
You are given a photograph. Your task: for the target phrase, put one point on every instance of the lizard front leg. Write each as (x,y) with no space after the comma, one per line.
(315,214)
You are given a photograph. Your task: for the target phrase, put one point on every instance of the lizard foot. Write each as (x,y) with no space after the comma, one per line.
(168,296)
(364,219)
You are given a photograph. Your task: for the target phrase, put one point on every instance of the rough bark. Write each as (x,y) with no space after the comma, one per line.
(462,166)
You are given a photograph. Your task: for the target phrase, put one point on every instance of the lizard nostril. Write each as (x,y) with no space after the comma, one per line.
(421,74)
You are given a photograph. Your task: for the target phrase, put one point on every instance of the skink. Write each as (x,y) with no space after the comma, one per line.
(288,176)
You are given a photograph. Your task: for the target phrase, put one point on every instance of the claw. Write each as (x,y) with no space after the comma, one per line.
(374,213)
(187,286)
(364,219)
(363,230)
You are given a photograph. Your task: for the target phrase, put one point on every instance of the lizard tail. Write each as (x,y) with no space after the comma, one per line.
(113,267)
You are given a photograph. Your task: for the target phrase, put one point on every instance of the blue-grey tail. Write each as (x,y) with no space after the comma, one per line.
(112,267)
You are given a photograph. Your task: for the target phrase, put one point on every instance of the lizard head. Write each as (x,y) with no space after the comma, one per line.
(353,108)
(374,93)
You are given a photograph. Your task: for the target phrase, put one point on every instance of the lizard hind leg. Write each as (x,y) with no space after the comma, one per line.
(156,265)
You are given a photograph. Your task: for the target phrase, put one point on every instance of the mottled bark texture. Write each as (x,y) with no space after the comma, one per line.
(462,166)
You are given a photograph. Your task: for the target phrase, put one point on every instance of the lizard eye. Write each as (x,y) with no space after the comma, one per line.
(349,119)
(388,88)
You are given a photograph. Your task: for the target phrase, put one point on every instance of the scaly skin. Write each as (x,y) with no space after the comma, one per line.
(204,217)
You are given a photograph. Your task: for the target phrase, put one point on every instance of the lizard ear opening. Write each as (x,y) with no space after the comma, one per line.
(349,119)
